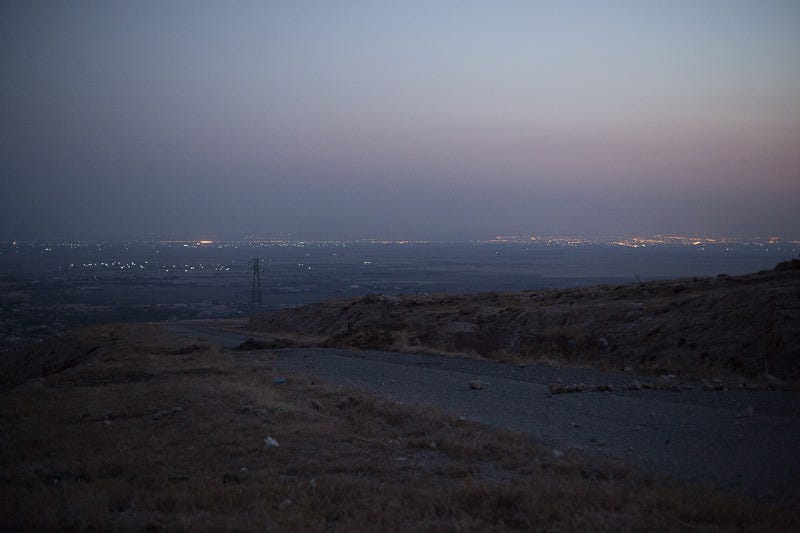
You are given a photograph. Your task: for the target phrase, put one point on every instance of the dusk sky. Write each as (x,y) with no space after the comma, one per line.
(402,120)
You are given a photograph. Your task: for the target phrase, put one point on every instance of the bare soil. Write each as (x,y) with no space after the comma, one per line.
(129,427)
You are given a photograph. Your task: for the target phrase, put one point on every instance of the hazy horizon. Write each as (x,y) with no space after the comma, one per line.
(419,121)
(542,240)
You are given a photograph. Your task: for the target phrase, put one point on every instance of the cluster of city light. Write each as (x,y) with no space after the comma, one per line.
(118,265)
(112,265)
(560,240)
(692,240)
(636,241)
(557,240)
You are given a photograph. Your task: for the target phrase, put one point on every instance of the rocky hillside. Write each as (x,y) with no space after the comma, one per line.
(744,325)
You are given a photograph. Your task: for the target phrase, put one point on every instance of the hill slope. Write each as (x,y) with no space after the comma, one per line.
(134,429)
(744,325)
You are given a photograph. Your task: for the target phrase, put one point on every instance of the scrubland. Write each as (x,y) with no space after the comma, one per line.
(126,427)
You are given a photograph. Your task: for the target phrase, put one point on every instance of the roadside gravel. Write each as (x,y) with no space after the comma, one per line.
(743,441)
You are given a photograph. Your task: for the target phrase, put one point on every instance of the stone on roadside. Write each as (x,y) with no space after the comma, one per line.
(477,384)
(634,385)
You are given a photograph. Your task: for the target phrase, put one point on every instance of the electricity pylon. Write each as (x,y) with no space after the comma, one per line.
(255,292)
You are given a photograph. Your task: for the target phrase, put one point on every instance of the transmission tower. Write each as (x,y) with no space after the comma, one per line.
(255,292)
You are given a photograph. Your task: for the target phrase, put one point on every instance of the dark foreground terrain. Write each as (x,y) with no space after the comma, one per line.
(740,440)
(745,327)
(129,427)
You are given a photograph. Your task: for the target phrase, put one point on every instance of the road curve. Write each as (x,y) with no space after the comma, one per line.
(743,441)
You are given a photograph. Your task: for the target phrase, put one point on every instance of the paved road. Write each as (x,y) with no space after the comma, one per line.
(695,435)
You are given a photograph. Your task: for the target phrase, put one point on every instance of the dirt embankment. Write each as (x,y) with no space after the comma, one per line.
(744,325)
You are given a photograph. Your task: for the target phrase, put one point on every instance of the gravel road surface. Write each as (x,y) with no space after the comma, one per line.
(744,441)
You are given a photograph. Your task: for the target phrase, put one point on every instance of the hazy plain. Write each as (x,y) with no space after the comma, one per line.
(46,287)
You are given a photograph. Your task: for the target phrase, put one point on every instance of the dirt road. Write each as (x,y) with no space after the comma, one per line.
(744,441)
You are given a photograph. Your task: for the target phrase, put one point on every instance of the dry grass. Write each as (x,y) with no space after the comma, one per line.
(147,433)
